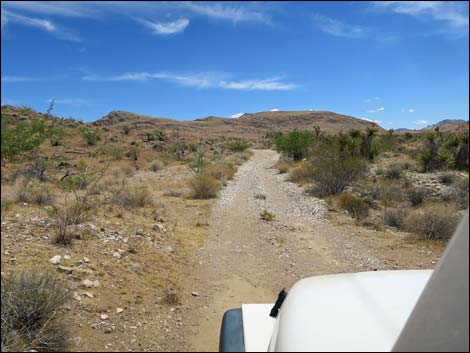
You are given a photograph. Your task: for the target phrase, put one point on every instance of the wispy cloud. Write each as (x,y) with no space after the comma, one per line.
(226,11)
(421,122)
(274,110)
(201,80)
(235,116)
(411,110)
(153,14)
(336,27)
(166,28)
(379,109)
(71,101)
(18,79)
(453,13)
(42,24)
(369,100)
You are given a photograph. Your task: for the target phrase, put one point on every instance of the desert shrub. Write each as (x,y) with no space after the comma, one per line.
(156,165)
(220,171)
(62,235)
(31,313)
(267,216)
(90,136)
(27,191)
(282,165)
(126,171)
(391,193)
(116,152)
(394,217)
(435,221)
(295,143)
(302,172)
(260,196)
(131,197)
(21,137)
(354,205)
(237,146)
(446,178)
(204,186)
(333,171)
(75,182)
(394,172)
(459,193)
(416,196)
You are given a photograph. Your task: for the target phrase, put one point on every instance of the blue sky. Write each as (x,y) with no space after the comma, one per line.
(403,64)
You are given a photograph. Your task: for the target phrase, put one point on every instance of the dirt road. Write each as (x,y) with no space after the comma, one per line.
(250,260)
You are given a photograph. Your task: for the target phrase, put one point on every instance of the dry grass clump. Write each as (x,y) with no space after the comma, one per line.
(156,165)
(204,186)
(29,191)
(354,205)
(434,221)
(416,196)
(303,172)
(267,216)
(221,171)
(31,316)
(394,171)
(131,197)
(282,165)
(394,217)
(125,171)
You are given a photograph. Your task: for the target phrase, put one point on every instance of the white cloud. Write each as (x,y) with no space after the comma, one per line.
(201,80)
(42,24)
(229,12)
(372,121)
(337,28)
(454,13)
(421,122)
(166,28)
(411,110)
(369,100)
(269,84)
(274,110)
(236,115)
(71,101)
(379,109)
(17,79)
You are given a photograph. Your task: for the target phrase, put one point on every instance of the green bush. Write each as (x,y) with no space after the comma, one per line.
(394,172)
(90,136)
(237,146)
(32,320)
(333,171)
(354,205)
(295,143)
(21,137)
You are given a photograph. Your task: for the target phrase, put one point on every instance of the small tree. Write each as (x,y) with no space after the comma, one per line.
(296,143)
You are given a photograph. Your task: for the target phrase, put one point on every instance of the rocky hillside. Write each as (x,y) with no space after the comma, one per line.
(248,125)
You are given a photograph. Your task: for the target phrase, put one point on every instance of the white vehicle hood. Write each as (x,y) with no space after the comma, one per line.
(346,312)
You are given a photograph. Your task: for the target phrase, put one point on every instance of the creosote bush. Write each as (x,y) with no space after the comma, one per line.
(394,217)
(435,221)
(31,313)
(416,196)
(204,186)
(156,165)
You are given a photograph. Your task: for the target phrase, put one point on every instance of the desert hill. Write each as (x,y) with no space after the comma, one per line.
(248,125)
